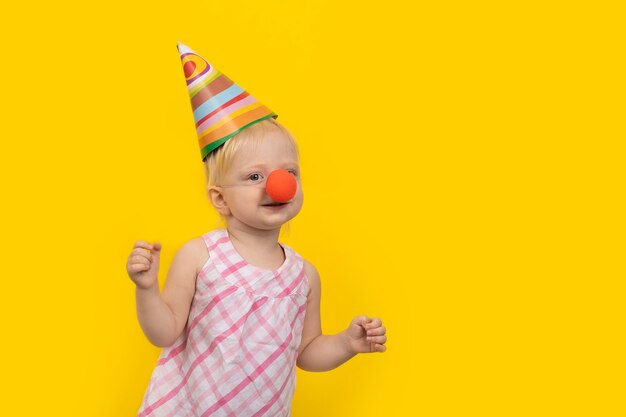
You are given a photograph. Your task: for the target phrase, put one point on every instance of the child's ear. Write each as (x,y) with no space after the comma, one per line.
(217,199)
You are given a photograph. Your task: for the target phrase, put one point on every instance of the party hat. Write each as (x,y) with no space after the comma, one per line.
(221,108)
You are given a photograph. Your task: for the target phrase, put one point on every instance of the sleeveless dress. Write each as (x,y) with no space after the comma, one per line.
(237,354)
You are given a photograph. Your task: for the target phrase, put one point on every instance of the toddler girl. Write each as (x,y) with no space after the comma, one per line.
(239,310)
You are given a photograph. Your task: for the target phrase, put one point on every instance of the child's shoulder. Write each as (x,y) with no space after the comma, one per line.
(309,268)
(196,249)
(311,274)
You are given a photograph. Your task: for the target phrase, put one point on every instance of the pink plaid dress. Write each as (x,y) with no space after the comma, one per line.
(237,354)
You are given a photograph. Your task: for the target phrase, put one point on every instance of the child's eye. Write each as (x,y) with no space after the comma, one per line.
(255,177)
(293,172)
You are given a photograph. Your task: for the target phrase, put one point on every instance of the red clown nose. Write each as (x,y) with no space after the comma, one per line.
(281,185)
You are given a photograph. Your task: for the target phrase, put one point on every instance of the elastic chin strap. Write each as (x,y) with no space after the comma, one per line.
(280,185)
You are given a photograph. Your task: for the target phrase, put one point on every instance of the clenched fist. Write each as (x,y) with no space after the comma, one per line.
(143,264)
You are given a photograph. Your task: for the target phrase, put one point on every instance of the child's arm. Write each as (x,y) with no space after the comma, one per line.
(319,352)
(162,317)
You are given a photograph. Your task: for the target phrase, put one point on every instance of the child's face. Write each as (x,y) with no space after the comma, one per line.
(244,184)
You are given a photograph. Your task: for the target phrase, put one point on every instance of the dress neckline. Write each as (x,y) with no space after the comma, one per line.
(240,258)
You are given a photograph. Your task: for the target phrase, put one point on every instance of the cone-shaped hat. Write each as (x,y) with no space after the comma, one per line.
(221,108)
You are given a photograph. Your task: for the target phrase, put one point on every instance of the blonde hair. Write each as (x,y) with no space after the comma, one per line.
(218,162)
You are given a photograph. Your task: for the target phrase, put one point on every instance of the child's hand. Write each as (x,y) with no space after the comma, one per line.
(143,266)
(366,335)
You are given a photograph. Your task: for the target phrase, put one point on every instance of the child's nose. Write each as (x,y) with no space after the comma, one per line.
(281,185)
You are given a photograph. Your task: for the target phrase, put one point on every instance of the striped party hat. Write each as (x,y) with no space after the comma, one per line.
(221,108)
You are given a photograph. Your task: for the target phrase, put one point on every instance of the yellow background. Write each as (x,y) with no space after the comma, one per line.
(463,168)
